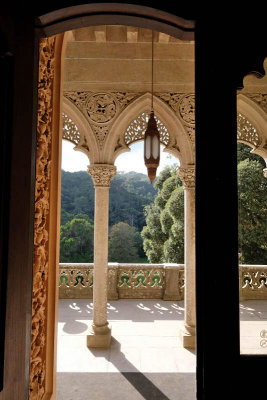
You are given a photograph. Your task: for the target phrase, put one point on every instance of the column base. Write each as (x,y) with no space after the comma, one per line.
(188,337)
(99,337)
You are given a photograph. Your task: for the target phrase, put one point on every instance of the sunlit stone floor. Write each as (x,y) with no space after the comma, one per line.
(253,327)
(146,359)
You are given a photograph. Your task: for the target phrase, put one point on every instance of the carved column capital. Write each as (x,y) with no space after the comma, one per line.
(102,174)
(187,176)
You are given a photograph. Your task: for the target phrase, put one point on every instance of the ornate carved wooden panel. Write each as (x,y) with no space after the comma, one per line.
(41,221)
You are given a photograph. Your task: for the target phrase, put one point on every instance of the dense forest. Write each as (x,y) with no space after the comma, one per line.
(147,221)
(129,194)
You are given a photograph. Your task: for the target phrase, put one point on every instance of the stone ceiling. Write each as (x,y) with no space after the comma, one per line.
(115,57)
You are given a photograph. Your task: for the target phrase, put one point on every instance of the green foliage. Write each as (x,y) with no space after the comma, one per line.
(164,234)
(77,241)
(129,193)
(123,243)
(244,153)
(252,201)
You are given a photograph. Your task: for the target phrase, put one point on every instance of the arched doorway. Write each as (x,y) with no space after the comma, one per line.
(232,63)
(47,189)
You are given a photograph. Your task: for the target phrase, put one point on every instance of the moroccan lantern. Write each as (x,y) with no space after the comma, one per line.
(152,137)
(152,147)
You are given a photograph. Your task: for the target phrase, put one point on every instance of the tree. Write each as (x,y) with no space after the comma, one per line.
(164,231)
(77,241)
(129,193)
(123,243)
(252,212)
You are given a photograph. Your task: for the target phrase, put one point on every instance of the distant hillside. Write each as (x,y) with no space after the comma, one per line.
(129,193)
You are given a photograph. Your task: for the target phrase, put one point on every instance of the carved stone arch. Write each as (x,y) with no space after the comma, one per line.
(179,144)
(258,120)
(87,143)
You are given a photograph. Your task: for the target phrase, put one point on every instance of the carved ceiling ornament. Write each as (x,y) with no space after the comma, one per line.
(187,176)
(246,131)
(102,174)
(70,130)
(40,265)
(136,130)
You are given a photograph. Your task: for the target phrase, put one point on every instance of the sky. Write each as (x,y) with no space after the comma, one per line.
(131,161)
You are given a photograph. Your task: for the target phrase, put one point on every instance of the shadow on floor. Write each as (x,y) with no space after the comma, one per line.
(71,310)
(128,385)
(140,381)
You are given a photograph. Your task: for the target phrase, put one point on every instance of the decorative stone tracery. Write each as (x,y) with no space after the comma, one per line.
(101,132)
(184,107)
(187,109)
(246,131)
(41,220)
(70,130)
(100,109)
(136,130)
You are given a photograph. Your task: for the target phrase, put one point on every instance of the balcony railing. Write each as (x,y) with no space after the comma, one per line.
(125,281)
(150,281)
(253,282)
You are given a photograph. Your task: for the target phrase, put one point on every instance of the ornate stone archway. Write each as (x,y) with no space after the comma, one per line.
(42,372)
(252,122)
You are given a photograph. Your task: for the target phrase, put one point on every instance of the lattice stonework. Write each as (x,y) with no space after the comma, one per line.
(70,130)
(246,131)
(136,130)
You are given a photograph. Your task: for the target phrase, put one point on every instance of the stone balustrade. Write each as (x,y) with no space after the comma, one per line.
(150,281)
(253,282)
(125,281)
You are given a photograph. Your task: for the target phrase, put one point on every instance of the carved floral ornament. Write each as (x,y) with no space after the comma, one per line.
(184,107)
(100,108)
(41,220)
(102,174)
(187,176)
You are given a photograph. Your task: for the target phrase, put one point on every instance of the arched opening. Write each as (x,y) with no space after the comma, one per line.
(105,141)
(252,228)
(210,176)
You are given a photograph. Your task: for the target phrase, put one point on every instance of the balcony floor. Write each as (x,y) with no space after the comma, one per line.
(146,359)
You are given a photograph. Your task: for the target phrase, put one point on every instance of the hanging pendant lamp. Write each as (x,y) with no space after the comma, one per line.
(152,137)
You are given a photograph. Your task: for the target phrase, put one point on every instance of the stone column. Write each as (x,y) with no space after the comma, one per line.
(100,333)
(187,175)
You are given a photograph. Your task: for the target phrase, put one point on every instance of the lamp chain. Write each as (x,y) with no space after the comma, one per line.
(152,68)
